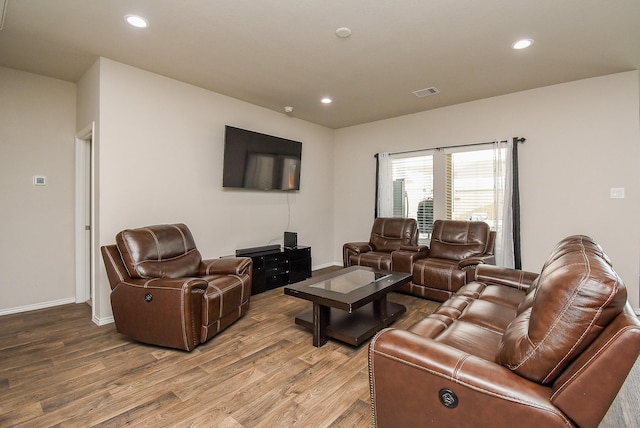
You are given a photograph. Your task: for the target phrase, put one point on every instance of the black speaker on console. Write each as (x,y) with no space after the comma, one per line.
(290,240)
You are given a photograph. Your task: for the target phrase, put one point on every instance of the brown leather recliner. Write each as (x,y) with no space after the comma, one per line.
(163,293)
(393,245)
(513,348)
(456,248)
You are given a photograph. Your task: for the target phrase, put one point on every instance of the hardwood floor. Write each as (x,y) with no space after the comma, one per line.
(57,368)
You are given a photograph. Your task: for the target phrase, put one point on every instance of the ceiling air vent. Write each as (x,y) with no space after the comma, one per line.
(426,92)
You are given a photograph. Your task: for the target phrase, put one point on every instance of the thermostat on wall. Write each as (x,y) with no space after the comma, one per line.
(39,180)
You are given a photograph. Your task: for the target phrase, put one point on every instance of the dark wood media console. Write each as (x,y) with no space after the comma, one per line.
(274,267)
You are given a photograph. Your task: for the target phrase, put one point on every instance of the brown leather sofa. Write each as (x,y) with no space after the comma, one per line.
(392,245)
(512,348)
(163,293)
(456,248)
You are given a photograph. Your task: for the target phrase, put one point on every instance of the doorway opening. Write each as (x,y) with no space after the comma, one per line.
(84,217)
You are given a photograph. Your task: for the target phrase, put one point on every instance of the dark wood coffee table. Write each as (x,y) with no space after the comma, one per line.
(349,305)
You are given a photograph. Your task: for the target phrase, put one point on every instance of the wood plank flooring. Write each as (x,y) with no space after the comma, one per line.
(57,368)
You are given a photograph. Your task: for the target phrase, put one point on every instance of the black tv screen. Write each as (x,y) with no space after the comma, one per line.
(259,161)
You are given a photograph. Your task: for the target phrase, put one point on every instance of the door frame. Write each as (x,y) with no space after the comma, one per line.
(85,198)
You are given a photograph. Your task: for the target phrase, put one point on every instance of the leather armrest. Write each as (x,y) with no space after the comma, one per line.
(476,260)
(491,274)
(226,266)
(358,247)
(352,248)
(402,260)
(171,284)
(409,372)
(415,248)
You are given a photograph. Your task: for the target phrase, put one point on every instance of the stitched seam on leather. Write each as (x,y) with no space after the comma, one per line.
(207,269)
(520,285)
(150,287)
(155,238)
(534,348)
(125,265)
(484,327)
(113,264)
(221,301)
(371,377)
(146,284)
(184,238)
(183,315)
(475,387)
(581,338)
(458,367)
(167,258)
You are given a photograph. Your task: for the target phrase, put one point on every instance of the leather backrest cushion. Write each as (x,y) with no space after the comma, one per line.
(390,233)
(576,242)
(161,251)
(458,240)
(577,294)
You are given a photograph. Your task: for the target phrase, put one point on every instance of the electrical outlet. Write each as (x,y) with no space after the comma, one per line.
(617,192)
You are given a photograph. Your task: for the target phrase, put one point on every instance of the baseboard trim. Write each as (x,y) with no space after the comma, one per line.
(326,265)
(102,321)
(36,306)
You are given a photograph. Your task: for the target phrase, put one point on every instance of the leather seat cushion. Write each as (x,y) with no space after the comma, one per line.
(505,296)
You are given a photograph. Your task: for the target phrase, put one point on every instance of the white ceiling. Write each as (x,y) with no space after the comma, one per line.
(276,53)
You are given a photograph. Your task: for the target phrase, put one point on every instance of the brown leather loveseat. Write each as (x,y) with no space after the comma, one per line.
(512,348)
(163,293)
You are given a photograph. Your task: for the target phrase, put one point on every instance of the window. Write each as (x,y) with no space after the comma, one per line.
(471,183)
(456,183)
(475,185)
(413,190)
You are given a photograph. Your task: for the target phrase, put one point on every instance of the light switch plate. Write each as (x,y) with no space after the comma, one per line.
(39,180)
(617,192)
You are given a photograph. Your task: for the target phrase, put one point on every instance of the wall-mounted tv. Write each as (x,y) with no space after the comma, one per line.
(259,161)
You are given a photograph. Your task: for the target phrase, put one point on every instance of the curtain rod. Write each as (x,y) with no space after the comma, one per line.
(515,139)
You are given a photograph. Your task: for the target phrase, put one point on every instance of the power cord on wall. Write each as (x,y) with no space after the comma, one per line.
(280,238)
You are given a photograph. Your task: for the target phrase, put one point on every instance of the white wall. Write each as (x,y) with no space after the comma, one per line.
(160,144)
(160,161)
(582,137)
(37,128)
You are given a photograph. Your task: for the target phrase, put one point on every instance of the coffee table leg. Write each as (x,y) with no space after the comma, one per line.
(380,309)
(320,322)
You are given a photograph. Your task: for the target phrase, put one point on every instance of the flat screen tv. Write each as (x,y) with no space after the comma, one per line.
(259,161)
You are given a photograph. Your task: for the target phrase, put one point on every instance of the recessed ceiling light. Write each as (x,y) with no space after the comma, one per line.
(136,21)
(522,44)
(343,32)
(326,100)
